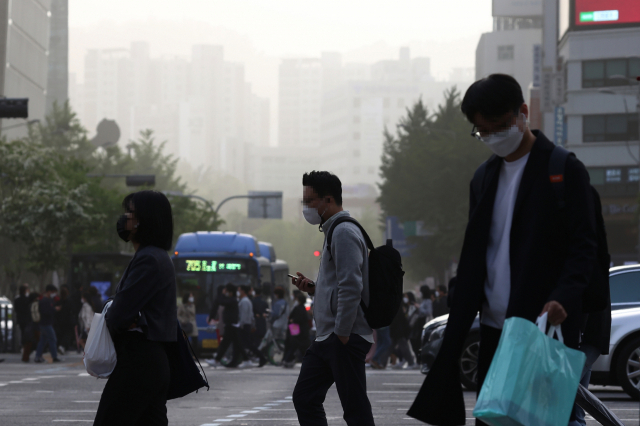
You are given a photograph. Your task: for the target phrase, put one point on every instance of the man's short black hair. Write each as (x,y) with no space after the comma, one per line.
(152,209)
(231,288)
(492,97)
(324,183)
(246,289)
(51,287)
(302,299)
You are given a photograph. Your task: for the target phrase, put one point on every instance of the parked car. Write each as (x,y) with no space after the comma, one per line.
(620,368)
(6,324)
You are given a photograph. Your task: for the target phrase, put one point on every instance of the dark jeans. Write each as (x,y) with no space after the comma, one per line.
(384,346)
(231,336)
(47,335)
(248,341)
(296,343)
(136,392)
(332,361)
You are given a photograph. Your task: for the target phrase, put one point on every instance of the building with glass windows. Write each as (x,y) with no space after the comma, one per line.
(600,53)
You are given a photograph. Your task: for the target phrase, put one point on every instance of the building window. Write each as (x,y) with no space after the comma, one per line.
(598,73)
(356,153)
(633,175)
(610,128)
(505,53)
(386,102)
(356,136)
(356,102)
(613,175)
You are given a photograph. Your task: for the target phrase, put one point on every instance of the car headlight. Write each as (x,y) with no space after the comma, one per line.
(437,333)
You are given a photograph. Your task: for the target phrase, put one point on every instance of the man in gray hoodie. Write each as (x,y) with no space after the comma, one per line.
(343,335)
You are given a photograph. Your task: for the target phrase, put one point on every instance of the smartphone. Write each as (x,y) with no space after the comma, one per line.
(311,284)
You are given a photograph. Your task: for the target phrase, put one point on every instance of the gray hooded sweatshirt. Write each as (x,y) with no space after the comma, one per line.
(343,280)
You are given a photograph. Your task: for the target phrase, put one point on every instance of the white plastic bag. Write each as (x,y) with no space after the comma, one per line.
(99,353)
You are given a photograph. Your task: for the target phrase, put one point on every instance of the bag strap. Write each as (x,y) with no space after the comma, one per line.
(197,360)
(557,164)
(541,322)
(352,220)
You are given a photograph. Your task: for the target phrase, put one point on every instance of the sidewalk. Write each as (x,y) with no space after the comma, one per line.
(70,357)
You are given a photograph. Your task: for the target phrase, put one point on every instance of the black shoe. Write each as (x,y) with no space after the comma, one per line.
(232,365)
(57,360)
(263,361)
(38,360)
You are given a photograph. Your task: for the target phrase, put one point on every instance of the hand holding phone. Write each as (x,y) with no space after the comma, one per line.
(303,283)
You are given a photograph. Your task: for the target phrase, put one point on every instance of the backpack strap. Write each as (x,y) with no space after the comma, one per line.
(477,183)
(557,164)
(352,220)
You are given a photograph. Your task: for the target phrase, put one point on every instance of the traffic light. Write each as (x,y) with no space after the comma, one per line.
(141,180)
(316,253)
(14,107)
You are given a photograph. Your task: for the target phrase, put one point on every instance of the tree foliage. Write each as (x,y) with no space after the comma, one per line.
(426,170)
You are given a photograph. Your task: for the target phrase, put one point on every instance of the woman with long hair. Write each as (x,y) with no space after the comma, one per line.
(142,318)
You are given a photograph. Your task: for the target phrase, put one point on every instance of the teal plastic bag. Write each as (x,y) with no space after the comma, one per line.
(532,379)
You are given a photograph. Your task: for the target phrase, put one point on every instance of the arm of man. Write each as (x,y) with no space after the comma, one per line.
(140,286)
(347,249)
(582,249)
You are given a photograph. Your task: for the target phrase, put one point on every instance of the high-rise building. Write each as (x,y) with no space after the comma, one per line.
(509,48)
(24,45)
(58,77)
(598,118)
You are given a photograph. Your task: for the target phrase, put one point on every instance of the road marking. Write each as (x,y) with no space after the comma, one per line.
(237,415)
(271,405)
(288,397)
(84,402)
(84,375)
(402,384)
(69,420)
(42,391)
(391,392)
(283,400)
(250,411)
(67,411)
(211,424)
(261,408)
(223,420)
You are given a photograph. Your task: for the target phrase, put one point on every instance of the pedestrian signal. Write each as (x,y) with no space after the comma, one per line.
(316,253)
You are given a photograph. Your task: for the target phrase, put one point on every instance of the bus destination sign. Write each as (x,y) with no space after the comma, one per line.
(203,265)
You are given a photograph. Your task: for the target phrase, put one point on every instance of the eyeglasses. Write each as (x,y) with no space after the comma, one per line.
(478,135)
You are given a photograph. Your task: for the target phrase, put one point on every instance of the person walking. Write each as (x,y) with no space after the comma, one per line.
(440,306)
(85,317)
(65,321)
(297,333)
(416,324)
(187,318)
(343,334)
(400,330)
(248,327)
(47,312)
(33,329)
(142,318)
(520,256)
(231,319)
(23,318)
(260,314)
(279,314)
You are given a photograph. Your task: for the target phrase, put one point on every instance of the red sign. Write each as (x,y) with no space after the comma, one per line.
(606,12)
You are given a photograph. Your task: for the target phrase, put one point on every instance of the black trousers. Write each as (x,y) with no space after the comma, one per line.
(136,392)
(323,364)
(231,336)
(489,339)
(249,343)
(296,343)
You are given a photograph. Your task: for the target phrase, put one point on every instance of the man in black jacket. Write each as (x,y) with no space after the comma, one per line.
(231,319)
(521,255)
(47,333)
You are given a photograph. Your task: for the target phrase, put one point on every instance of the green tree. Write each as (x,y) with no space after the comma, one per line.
(426,170)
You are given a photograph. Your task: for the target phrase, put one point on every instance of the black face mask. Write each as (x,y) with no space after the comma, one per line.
(121,227)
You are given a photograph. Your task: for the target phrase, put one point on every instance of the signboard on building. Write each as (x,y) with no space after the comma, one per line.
(266,205)
(559,126)
(517,8)
(578,15)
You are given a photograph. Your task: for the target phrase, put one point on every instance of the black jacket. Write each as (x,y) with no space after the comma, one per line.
(47,310)
(300,316)
(399,327)
(148,287)
(23,310)
(551,259)
(230,315)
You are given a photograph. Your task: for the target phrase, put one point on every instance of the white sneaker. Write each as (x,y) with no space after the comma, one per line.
(212,362)
(415,366)
(398,366)
(246,364)
(61,350)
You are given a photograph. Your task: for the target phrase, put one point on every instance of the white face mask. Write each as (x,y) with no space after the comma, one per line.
(53,295)
(26,294)
(437,294)
(505,142)
(237,294)
(405,300)
(191,299)
(311,215)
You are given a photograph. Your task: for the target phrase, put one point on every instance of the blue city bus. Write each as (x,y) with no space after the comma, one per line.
(279,268)
(205,261)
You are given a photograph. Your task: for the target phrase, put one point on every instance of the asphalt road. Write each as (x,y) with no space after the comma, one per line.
(63,394)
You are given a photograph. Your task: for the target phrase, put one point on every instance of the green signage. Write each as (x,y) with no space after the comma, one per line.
(586,16)
(201,265)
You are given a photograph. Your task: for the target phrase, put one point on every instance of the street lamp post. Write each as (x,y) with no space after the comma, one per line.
(197,197)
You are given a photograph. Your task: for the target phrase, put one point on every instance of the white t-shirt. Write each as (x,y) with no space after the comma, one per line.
(497,287)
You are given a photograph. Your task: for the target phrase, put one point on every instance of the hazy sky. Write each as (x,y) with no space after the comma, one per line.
(307,27)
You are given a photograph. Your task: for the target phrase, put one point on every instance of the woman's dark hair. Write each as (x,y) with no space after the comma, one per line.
(279,291)
(64,292)
(23,289)
(492,97)
(426,292)
(185,298)
(302,299)
(93,291)
(411,297)
(152,209)
(231,288)
(324,183)
(87,297)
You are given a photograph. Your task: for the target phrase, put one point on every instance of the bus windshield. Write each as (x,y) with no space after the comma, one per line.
(202,276)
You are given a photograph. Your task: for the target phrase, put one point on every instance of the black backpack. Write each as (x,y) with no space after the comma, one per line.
(385,279)
(596,295)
